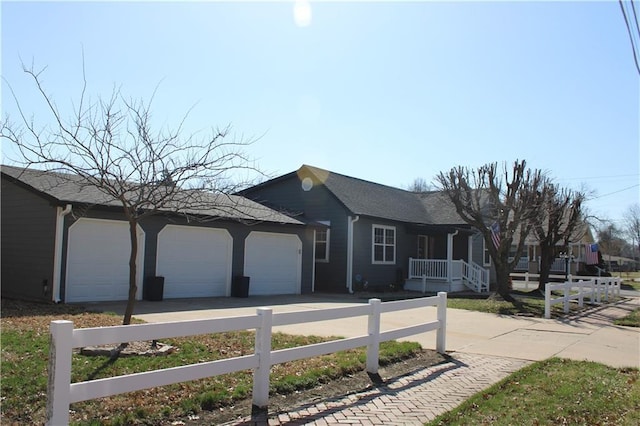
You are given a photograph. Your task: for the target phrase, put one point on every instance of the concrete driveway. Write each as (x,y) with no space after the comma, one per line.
(590,335)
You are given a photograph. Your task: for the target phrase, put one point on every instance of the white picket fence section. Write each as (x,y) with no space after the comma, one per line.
(533,279)
(596,289)
(64,338)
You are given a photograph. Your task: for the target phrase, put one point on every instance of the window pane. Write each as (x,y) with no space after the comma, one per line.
(321,251)
(389,254)
(378,235)
(378,253)
(390,236)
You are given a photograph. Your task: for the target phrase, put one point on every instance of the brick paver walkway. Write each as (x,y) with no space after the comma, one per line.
(409,400)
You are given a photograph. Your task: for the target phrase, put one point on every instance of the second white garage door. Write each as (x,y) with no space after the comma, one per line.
(273,262)
(194,261)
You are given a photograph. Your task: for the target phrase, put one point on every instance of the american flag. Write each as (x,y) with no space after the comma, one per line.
(591,254)
(495,234)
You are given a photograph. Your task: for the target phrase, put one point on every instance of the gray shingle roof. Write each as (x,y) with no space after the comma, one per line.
(67,188)
(376,200)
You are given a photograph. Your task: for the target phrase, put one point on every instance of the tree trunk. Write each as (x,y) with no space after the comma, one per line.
(503,285)
(546,258)
(133,288)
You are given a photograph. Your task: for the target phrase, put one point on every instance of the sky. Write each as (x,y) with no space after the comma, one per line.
(382,91)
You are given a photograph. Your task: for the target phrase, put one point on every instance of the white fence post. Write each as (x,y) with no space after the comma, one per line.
(565,295)
(547,301)
(441,333)
(373,348)
(58,388)
(263,350)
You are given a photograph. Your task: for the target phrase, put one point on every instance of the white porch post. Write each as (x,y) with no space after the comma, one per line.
(470,249)
(350,223)
(450,255)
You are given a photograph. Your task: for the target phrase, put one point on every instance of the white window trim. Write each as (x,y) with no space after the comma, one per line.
(327,251)
(485,254)
(373,245)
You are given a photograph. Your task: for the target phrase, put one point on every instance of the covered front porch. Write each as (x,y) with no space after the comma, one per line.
(434,275)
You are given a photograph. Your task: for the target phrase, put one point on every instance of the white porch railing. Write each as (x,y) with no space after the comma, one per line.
(61,392)
(477,277)
(474,276)
(434,269)
(558,264)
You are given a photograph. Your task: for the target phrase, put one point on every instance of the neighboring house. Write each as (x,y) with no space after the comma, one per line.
(65,241)
(378,236)
(576,255)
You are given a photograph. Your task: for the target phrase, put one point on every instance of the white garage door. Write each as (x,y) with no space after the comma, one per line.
(98,261)
(273,262)
(194,261)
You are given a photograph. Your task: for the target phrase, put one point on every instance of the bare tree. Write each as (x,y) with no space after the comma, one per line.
(560,220)
(500,205)
(419,185)
(111,146)
(632,224)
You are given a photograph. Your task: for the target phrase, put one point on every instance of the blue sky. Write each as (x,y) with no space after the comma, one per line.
(382,91)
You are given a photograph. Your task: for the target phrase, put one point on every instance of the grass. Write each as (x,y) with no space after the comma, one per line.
(629,280)
(25,351)
(555,391)
(527,304)
(631,320)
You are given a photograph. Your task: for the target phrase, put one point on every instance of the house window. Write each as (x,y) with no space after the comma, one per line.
(322,244)
(486,259)
(384,244)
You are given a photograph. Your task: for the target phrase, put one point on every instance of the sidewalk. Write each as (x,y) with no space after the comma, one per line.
(409,400)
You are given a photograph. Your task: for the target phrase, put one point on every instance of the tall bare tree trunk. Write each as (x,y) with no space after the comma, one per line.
(133,287)
(546,258)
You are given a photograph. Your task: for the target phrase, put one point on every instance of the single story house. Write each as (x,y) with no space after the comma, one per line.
(64,241)
(379,236)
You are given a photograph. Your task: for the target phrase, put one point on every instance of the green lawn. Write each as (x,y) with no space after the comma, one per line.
(555,392)
(631,320)
(526,305)
(25,351)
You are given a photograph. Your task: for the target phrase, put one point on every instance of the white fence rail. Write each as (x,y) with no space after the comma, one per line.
(437,269)
(596,289)
(64,338)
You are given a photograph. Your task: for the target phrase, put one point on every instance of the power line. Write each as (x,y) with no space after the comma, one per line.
(629,23)
(616,192)
(600,177)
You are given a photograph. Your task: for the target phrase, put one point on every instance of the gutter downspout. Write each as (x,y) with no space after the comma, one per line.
(350,223)
(57,253)
(450,254)
(313,267)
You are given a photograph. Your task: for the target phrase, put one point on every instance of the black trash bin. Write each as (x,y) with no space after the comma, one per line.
(240,286)
(153,289)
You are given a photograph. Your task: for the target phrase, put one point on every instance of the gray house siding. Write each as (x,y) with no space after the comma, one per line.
(28,243)
(380,275)
(316,204)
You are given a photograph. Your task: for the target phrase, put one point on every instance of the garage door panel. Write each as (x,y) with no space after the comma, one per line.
(273,261)
(195,261)
(98,261)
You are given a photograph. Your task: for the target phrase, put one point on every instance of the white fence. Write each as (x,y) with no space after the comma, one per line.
(596,289)
(529,278)
(64,338)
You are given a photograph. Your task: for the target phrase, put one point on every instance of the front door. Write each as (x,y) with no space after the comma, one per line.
(423,249)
